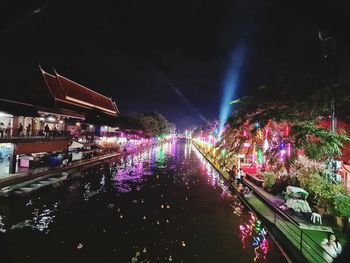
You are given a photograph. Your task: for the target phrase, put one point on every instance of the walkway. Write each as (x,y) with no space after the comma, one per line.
(301,240)
(276,199)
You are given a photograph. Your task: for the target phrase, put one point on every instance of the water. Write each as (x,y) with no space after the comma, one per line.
(163,205)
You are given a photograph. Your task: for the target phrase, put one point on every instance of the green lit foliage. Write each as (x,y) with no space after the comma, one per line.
(321,190)
(269,179)
(342,205)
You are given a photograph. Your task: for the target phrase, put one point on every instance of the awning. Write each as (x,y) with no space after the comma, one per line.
(296,192)
(60,112)
(71,94)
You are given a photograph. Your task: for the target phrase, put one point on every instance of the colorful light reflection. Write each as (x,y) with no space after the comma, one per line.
(254,229)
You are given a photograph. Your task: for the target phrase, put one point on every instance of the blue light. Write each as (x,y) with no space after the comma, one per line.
(230,84)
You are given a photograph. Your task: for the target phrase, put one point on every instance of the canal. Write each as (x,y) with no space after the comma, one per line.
(165,204)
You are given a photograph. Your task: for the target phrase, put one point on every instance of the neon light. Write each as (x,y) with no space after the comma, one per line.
(266,145)
(260,156)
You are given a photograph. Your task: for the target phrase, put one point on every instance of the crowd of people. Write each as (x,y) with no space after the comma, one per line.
(21,131)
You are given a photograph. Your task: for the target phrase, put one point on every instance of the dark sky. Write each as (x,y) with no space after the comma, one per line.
(165,55)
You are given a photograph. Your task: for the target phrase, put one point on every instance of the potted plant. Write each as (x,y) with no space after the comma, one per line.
(269,180)
(342,208)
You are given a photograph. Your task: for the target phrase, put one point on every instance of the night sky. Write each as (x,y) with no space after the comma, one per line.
(168,56)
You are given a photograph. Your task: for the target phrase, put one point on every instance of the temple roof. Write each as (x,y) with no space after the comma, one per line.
(70,93)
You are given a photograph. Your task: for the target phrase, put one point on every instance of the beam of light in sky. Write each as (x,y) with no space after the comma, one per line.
(28,16)
(230,83)
(182,96)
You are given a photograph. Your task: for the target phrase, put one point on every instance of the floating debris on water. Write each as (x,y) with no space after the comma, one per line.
(2,230)
(25,223)
(30,202)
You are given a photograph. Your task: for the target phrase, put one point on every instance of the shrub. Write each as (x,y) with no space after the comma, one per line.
(307,176)
(269,179)
(342,205)
(321,190)
(281,184)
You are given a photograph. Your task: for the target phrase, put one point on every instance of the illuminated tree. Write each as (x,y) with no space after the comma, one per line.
(299,109)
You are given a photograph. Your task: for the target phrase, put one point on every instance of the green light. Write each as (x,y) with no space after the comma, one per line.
(160,156)
(260,156)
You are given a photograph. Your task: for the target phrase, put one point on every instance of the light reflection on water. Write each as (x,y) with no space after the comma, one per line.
(252,229)
(167,201)
(88,193)
(41,219)
(214,178)
(129,174)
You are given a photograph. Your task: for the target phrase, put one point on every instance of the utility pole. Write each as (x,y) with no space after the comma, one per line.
(330,50)
(334,85)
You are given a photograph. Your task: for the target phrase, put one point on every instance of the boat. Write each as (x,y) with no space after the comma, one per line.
(52,180)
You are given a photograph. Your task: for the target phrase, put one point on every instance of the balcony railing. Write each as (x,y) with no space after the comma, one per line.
(15,134)
(24,134)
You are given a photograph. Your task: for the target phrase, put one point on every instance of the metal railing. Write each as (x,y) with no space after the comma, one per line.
(301,240)
(290,228)
(18,133)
